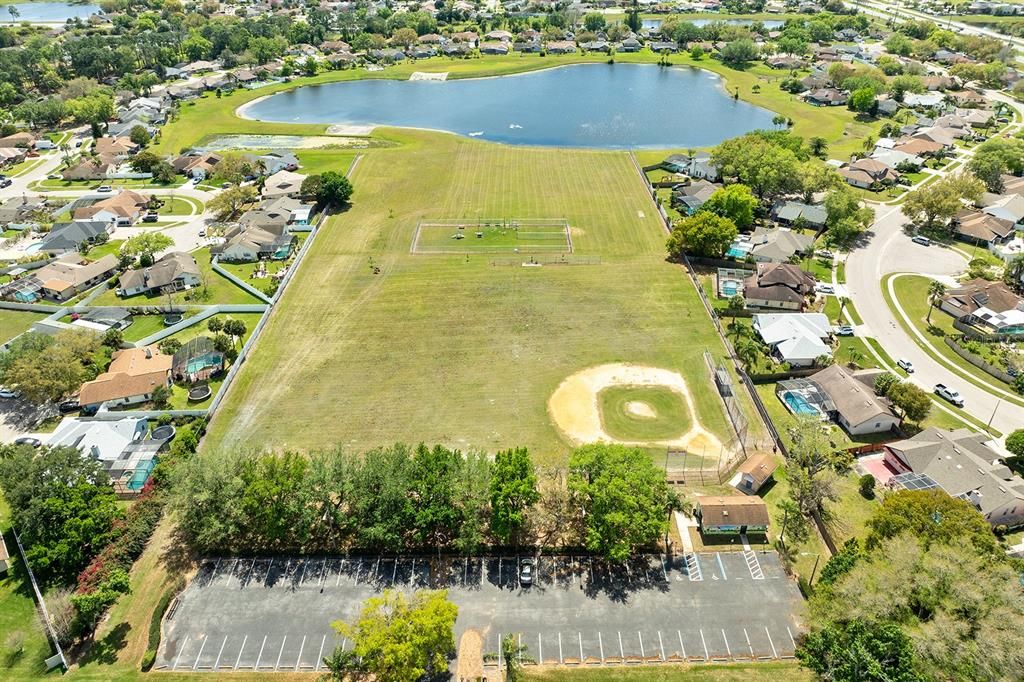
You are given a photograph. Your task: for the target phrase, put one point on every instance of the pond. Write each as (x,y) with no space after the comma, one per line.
(770,24)
(46,12)
(586,105)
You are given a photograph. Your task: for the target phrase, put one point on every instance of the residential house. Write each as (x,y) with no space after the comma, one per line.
(133,375)
(71,237)
(778,285)
(247,244)
(980,227)
(119,148)
(88,169)
(197,164)
(174,271)
(283,184)
(796,212)
(731,515)
(925,100)
(662,46)
(119,446)
(991,305)
(963,466)
(778,245)
(869,173)
(916,146)
(123,208)
(852,403)
(826,97)
(689,198)
(755,472)
(561,47)
(494,48)
(630,44)
(897,159)
(71,274)
(23,139)
(291,210)
(787,62)
(101,320)
(597,46)
(278,161)
(796,339)
(947,137)
(466,37)
(1007,207)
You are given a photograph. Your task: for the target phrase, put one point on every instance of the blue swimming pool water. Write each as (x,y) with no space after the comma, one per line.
(34,247)
(730,288)
(798,404)
(736,252)
(141,475)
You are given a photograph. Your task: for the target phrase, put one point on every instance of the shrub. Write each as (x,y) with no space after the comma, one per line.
(157,618)
(867,486)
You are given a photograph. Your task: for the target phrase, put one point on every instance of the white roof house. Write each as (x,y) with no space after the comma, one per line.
(102,440)
(796,338)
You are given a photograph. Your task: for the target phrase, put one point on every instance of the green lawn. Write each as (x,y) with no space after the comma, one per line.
(48,184)
(112,247)
(147,325)
(180,206)
(14,322)
(202,328)
(466,350)
(221,290)
(245,271)
(669,417)
(211,116)
(734,672)
(317,161)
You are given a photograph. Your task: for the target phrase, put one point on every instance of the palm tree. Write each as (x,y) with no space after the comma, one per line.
(854,356)
(737,331)
(843,300)
(748,352)
(936,290)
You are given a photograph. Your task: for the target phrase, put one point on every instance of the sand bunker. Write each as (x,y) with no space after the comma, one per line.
(575,410)
(641,409)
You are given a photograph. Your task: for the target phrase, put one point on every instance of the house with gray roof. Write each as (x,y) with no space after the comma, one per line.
(855,407)
(778,245)
(963,466)
(70,237)
(175,271)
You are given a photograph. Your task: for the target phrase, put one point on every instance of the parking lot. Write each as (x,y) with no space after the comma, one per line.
(276,614)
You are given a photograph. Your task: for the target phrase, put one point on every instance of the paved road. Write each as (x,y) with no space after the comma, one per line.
(262,614)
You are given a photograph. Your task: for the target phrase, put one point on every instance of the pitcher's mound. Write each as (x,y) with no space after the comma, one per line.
(576,409)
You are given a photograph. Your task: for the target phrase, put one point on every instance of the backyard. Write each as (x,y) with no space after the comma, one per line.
(373,344)
(14,322)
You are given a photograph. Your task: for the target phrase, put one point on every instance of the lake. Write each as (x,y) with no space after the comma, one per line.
(771,24)
(586,105)
(46,12)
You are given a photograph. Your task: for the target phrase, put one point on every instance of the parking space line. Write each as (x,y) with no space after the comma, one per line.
(227,578)
(323,573)
(540,649)
(499,651)
(412,573)
(754,565)
(641,638)
(277,664)
(180,652)
(664,571)
(465,571)
(572,564)
(269,567)
(394,571)
(195,663)
(260,654)
(376,567)
(590,562)
(560,659)
(727,647)
(305,565)
(249,572)
(775,654)
(791,637)
(600,645)
(240,650)
(693,567)
(216,664)
(721,566)
(622,654)
(580,635)
(749,645)
(301,647)
(320,656)
(704,644)
(682,648)
(661,645)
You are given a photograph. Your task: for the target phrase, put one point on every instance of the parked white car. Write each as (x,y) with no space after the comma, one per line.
(906,365)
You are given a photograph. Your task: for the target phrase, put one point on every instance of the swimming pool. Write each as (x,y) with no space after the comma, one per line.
(798,404)
(739,250)
(730,288)
(32,248)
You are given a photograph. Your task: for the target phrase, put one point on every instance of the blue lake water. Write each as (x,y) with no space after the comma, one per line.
(46,12)
(652,24)
(587,105)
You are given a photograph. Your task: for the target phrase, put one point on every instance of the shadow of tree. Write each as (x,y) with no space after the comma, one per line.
(104,651)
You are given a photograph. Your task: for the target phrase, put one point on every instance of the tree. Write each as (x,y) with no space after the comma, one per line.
(90,606)
(843,561)
(330,188)
(145,244)
(934,204)
(735,202)
(846,217)
(702,234)
(739,52)
(934,518)
(139,135)
(867,486)
(594,22)
(818,146)
(622,497)
(512,651)
(863,101)
(858,651)
(62,505)
(513,490)
(884,382)
(995,157)
(235,329)
(768,168)
(215,324)
(1015,443)
(814,177)
(230,200)
(936,290)
(404,37)
(748,351)
(911,400)
(402,639)
(161,396)
(45,369)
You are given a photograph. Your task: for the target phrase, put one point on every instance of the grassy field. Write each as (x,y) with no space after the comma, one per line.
(456,349)
(670,419)
(14,322)
(472,237)
(209,116)
(739,672)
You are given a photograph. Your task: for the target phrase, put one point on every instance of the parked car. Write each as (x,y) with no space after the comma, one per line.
(950,394)
(844,330)
(526,572)
(825,288)
(202,233)
(825,253)
(906,365)
(150,218)
(68,406)
(104,189)
(923,241)
(26,440)
(8,393)
(89,410)
(6,182)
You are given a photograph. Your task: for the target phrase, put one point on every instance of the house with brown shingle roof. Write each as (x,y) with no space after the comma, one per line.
(778,285)
(133,375)
(982,228)
(755,472)
(118,147)
(72,274)
(732,515)
(980,293)
(123,208)
(867,173)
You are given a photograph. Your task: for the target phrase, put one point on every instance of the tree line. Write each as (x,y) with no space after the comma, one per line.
(611,499)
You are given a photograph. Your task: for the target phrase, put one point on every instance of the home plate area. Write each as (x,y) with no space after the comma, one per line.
(275,614)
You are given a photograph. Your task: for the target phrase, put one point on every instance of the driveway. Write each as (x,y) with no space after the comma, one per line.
(276,614)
